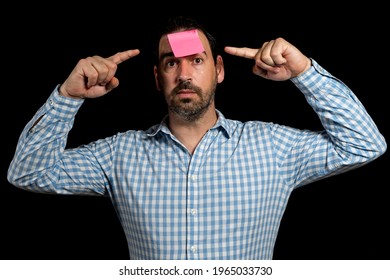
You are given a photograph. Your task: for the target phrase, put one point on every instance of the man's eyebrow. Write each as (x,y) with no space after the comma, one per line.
(170,54)
(164,55)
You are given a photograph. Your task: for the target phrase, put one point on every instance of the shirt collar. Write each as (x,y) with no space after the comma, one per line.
(222,124)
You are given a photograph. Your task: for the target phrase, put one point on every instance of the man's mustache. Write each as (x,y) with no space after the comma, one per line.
(186,85)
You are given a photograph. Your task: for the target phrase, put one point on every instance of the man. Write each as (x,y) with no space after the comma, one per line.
(197,185)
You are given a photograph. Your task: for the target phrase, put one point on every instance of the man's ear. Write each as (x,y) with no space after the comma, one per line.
(220,69)
(156,78)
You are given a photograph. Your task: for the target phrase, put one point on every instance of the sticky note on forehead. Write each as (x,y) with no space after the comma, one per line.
(185,43)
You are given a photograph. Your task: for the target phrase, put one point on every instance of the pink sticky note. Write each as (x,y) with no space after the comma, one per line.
(185,43)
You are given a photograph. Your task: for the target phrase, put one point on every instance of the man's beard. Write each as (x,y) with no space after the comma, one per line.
(189,109)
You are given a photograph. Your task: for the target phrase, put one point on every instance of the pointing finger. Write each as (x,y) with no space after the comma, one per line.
(120,57)
(242,52)
(104,69)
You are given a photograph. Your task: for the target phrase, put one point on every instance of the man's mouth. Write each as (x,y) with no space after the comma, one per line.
(185,89)
(186,92)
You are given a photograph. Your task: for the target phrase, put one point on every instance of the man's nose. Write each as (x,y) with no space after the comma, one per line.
(184,70)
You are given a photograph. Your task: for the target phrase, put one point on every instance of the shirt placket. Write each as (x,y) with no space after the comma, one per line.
(194,192)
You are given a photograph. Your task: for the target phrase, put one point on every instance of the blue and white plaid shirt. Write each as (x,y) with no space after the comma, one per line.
(225,201)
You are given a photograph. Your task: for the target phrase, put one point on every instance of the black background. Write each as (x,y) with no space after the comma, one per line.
(342,217)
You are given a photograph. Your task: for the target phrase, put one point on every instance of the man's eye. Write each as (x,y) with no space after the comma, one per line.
(198,60)
(171,63)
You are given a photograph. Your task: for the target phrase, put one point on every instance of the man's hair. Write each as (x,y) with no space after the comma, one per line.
(183,23)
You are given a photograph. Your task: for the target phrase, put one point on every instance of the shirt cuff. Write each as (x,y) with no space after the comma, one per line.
(58,106)
(312,80)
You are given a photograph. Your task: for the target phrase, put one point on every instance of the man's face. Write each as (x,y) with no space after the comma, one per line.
(188,82)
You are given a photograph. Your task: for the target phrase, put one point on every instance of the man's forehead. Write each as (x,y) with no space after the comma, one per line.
(185,43)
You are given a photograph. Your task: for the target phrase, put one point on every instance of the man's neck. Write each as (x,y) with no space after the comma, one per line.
(189,133)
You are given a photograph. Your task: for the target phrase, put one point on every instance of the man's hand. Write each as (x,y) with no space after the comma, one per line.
(276,60)
(94,76)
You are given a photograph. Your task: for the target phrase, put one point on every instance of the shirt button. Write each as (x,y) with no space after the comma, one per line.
(193,211)
(193,249)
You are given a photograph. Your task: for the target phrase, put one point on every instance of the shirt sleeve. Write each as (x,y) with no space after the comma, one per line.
(349,140)
(42,164)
